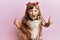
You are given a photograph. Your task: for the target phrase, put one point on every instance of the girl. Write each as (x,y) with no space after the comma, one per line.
(31,25)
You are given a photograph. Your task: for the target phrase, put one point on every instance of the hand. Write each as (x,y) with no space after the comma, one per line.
(16,21)
(50,20)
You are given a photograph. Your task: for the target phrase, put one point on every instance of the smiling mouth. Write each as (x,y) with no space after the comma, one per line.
(33,15)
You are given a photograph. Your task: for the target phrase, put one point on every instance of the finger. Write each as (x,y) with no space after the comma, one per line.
(50,20)
(50,17)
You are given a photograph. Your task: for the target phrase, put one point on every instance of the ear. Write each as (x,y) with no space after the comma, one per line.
(37,3)
(28,4)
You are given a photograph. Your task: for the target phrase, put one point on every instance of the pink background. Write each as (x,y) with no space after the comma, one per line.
(11,9)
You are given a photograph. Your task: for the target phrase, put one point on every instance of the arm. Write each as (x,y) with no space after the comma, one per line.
(47,24)
(17,23)
(19,26)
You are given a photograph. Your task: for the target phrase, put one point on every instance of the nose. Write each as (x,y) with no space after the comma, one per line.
(33,13)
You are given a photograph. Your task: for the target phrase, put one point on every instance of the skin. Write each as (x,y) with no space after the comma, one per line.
(33,13)
(17,23)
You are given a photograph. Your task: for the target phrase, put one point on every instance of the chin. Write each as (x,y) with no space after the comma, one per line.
(34,18)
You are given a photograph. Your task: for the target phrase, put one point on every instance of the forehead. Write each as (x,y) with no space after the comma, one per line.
(34,8)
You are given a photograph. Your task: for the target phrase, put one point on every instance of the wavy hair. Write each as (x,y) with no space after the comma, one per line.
(26,16)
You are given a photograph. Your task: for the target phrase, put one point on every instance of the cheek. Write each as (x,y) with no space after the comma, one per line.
(36,13)
(30,14)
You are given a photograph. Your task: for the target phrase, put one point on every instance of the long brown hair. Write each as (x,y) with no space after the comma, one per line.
(26,16)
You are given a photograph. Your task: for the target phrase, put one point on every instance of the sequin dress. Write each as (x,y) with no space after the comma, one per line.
(35,29)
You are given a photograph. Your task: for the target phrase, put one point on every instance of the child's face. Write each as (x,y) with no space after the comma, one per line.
(33,13)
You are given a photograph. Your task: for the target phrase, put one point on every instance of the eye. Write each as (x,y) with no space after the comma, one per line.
(30,10)
(35,10)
